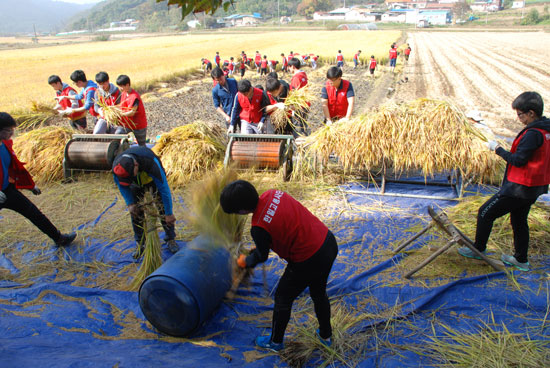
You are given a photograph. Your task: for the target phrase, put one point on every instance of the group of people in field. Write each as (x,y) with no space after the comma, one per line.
(96,98)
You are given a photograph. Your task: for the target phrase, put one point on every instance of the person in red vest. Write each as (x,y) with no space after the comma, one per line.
(314,59)
(393,56)
(231,66)
(299,80)
(290,56)
(249,109)
(372,65)
(337,96)
(217,59)
(282,224)
(244,58)
(284,63)
(66,106)
(108,94)
(526,177)
(206,65)
(277,92)
(242,66)
(356,60)
(272,65)
(134,117)
(258,60)
(339,59)
(14,176)
(407,52)
(263,65)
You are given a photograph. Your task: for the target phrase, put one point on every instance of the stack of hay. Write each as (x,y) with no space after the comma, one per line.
(37,116)
(187,152)
(425,135)
(43,149)
(297,100)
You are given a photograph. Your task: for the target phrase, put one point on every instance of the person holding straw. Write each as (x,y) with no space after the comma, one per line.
(526,177)
(248,109)
(337,96)
(133,116)
(14,176)
(281,223)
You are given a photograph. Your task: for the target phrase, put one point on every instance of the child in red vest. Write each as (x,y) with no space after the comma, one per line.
(249,109)
(407,52)
(263,65)
(526,177)
(134,117)
(66,106)
(337,96)
(372,65)
(14,176)
(282,224)
(356,60)
(340,59)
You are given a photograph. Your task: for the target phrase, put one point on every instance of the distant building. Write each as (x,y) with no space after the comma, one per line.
(518,4)
(241,20)
(358,27)
(193,23)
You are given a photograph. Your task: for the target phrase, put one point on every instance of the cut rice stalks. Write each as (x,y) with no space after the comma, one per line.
(38,116)
(43,150)
(187,152)
(425,136)
(113,114)
(298,100)
(152,258)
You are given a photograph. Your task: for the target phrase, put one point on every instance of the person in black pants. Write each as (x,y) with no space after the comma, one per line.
(14,176)
(526,177)
(281,223)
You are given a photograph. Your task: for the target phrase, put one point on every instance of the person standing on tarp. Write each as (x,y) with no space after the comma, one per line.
(136,171)
(14,176)
(526,177)
(281,223)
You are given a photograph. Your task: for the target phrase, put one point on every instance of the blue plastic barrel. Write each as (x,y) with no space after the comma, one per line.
(182,293)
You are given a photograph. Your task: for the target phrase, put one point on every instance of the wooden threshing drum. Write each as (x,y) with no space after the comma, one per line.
(260,154)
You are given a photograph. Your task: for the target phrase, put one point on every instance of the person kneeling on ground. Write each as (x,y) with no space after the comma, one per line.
(134,118)
(249,109)
(338,96)
(65,106)
(281,223)
(136,171)
(526,177)
(14,176)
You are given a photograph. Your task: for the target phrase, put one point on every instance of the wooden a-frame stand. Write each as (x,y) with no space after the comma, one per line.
(457,237)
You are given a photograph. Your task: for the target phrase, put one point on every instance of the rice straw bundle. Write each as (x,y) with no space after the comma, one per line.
(111,113)
(464,216)
(42,149)
(206,215)
(190,150)
(426,135)
(152,258)
(297,100)
(38,116)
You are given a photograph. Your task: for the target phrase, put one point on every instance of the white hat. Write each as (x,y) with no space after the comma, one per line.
(474,115)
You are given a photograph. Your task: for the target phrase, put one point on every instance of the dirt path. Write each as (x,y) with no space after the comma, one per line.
(481,71)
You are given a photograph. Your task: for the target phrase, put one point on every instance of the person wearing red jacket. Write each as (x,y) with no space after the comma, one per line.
(337,96)
(282,224)
(372,65)
(14,176)
(248,109)
(133,112)
(526,177)
(66,106)
(299,80)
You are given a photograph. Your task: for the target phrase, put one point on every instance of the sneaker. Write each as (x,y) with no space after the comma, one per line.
(65,239)
(512,261)
(467,252)
(326,342)
(173,246)
(266,343)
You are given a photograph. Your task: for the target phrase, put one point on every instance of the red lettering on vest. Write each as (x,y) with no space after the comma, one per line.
(296,234)
(537,170)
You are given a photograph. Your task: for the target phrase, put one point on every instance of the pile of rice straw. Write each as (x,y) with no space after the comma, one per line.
(424,135)
(189,151)
(297,100)
(39,115)
(42,150)
(111,113)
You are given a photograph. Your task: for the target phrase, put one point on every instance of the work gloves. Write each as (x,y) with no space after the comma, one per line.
(280,105)
(260,126)
(492,145)
(231,129)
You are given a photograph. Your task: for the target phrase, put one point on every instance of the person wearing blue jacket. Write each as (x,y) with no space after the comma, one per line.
(136,171)
(223,94)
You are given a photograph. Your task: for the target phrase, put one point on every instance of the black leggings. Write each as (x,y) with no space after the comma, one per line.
(497,206)
(16,201)
(313,272)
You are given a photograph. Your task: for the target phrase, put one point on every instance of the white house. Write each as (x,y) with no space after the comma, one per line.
(518,4)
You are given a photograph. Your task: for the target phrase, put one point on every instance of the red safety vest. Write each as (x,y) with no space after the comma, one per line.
(139,120)
(18,175)
(372,64)
(205,61)
(340,57)
(298,80)
(393,53)
(285,61)
(264,63)
(91,109)
(337,99)
(251,110)
(290,56)
(536,171)
(230,65)
(258,58)
(356,57)
(217,59)
(296,234)
(407,51)
(66,103)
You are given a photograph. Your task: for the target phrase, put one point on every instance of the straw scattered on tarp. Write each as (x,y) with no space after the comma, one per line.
(43,150)
(187,152)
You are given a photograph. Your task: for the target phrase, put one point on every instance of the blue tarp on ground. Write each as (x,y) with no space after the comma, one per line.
(55,324)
